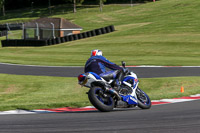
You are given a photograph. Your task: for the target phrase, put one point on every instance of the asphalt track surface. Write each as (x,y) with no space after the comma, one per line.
(142,72)
(167,118)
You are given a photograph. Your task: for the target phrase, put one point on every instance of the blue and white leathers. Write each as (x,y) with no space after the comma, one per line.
(98,65)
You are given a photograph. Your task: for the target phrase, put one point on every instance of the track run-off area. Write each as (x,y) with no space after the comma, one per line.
(177,117)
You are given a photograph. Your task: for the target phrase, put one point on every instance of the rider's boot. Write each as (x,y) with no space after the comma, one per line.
(117,85)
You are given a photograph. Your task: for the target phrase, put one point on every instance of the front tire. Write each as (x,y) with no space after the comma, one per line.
(144,101)
(99,100)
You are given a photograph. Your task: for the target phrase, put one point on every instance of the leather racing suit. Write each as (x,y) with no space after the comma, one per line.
(100,65)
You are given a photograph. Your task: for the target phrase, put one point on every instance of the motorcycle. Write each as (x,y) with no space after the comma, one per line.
(105,98)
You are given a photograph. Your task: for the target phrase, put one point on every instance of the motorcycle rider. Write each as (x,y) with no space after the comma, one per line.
(98,64)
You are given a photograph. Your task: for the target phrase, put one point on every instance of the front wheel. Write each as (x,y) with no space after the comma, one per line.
(144,101)
(100,100)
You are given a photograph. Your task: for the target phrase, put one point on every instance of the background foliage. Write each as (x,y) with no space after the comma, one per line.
(16,4)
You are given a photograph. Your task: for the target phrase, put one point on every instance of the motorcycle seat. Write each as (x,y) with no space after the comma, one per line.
(109,75)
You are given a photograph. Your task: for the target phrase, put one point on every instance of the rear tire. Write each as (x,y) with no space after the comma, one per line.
(102,103)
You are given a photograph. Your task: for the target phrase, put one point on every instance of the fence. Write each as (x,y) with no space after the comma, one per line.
(58,40)
(3,33)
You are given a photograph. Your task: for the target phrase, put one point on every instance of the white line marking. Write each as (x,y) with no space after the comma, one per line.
(176,100)
(16,112)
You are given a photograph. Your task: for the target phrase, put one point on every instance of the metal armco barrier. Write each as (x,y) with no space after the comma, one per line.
(57,40)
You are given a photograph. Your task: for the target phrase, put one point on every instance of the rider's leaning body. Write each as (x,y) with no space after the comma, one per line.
(98,64)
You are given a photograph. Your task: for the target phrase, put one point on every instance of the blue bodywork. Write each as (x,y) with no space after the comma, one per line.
(131,80)
(95,75)
(129,99)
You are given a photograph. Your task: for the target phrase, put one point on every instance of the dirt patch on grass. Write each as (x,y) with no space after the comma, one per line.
(11,89)
(106,17)
(134,25)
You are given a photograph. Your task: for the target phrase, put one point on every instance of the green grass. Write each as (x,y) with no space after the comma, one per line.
(32,92)
(166,32)
(36,92)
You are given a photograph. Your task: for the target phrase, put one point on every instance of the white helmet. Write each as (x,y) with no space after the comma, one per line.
(96,52)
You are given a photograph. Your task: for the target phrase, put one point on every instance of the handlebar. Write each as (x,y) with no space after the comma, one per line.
(123,64)
(126,70)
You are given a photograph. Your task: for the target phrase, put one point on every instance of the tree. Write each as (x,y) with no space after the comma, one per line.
(49,7)
(101,4)
(2,7)
(74,6)
(75,2)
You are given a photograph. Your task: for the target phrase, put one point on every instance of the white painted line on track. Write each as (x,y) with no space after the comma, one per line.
(197,95)
(176,100)
(16,112)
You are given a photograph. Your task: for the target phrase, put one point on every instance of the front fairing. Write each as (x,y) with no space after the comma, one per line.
(130,99)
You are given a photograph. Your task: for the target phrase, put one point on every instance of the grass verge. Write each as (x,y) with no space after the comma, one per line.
(36,92)
(166,32)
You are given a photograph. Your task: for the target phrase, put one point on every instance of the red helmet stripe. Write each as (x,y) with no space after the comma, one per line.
(94,53)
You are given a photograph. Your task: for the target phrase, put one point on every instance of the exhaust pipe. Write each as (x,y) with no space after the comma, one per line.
(113,92)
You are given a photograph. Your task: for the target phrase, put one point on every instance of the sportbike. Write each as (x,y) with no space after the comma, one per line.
(104,97)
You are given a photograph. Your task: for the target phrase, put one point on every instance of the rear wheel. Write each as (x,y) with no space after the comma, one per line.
(101,100)
(144,101)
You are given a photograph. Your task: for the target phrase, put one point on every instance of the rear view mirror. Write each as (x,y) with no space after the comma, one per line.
(123,64)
